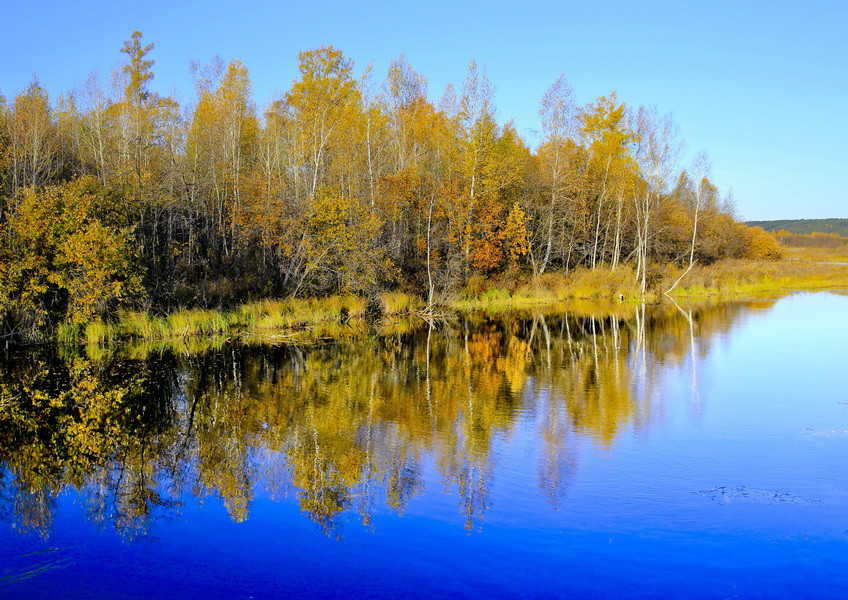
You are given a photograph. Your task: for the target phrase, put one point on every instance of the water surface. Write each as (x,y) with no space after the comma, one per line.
(675,451)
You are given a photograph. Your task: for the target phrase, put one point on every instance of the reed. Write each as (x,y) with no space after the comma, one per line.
(398,303)
(552,288)
(99,331)
(262,318)
(67,333)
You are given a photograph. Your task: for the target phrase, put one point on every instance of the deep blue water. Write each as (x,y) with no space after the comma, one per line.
(551,457)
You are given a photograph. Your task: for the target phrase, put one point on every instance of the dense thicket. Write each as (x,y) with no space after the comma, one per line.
(114,192)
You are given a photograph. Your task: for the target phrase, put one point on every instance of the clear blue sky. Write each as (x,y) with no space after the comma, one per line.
(761,86)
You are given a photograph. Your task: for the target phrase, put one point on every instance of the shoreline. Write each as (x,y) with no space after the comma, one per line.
(291,320)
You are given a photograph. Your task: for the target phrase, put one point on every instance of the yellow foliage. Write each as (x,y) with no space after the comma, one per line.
(342,243)
(763,245)
(63,259)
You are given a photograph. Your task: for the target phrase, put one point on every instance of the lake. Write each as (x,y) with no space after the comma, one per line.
(640,452)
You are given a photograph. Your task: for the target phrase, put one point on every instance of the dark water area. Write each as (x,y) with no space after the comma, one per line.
(654,452)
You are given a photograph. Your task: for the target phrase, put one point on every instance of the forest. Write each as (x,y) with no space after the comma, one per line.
(113,196)
(805,226)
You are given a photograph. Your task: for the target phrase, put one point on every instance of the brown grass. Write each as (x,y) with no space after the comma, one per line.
(728,278)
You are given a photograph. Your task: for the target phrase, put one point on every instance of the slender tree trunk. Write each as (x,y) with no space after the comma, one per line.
(430,288)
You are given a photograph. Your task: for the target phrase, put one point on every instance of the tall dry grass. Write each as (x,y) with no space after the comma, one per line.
(265,317)
(335,316)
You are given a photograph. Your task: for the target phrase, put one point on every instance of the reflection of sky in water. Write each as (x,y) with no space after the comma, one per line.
(513,463)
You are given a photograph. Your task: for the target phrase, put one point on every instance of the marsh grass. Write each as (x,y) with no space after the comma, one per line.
(99,331)
(723,279)
(733,278)
(264,319)
(603,282)
(312,319)
(831,255)
(272,315)
(553,288)
(398,303)
(190,323)
(67,333)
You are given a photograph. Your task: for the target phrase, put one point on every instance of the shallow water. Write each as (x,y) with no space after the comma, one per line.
(674,452)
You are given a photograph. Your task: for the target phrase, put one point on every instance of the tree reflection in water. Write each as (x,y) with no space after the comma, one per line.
(347,426)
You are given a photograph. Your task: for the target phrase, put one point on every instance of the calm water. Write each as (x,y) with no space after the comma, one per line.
(687,453)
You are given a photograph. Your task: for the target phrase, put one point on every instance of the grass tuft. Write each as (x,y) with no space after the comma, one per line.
(67,333)
(398,303)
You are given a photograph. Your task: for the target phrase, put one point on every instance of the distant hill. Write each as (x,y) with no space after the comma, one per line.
(805,226)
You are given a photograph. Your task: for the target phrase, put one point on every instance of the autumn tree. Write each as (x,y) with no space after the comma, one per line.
(323,102)
(65,257)
(140,121)
(701,172)
(222,142)
(31,138)
(657,149)
(604,132)
(558,159)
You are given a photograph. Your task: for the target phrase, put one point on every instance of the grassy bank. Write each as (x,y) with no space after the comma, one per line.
(754,278)
(267,320)
(724,279)
(549,288)
(335,316)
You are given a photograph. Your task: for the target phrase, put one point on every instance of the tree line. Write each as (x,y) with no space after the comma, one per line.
(116,194)
(805,226)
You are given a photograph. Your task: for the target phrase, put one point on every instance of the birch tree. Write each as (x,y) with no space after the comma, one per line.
(558,114)
(701,173)
(657,150)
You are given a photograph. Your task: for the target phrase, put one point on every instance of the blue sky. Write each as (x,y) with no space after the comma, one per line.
(761,86)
